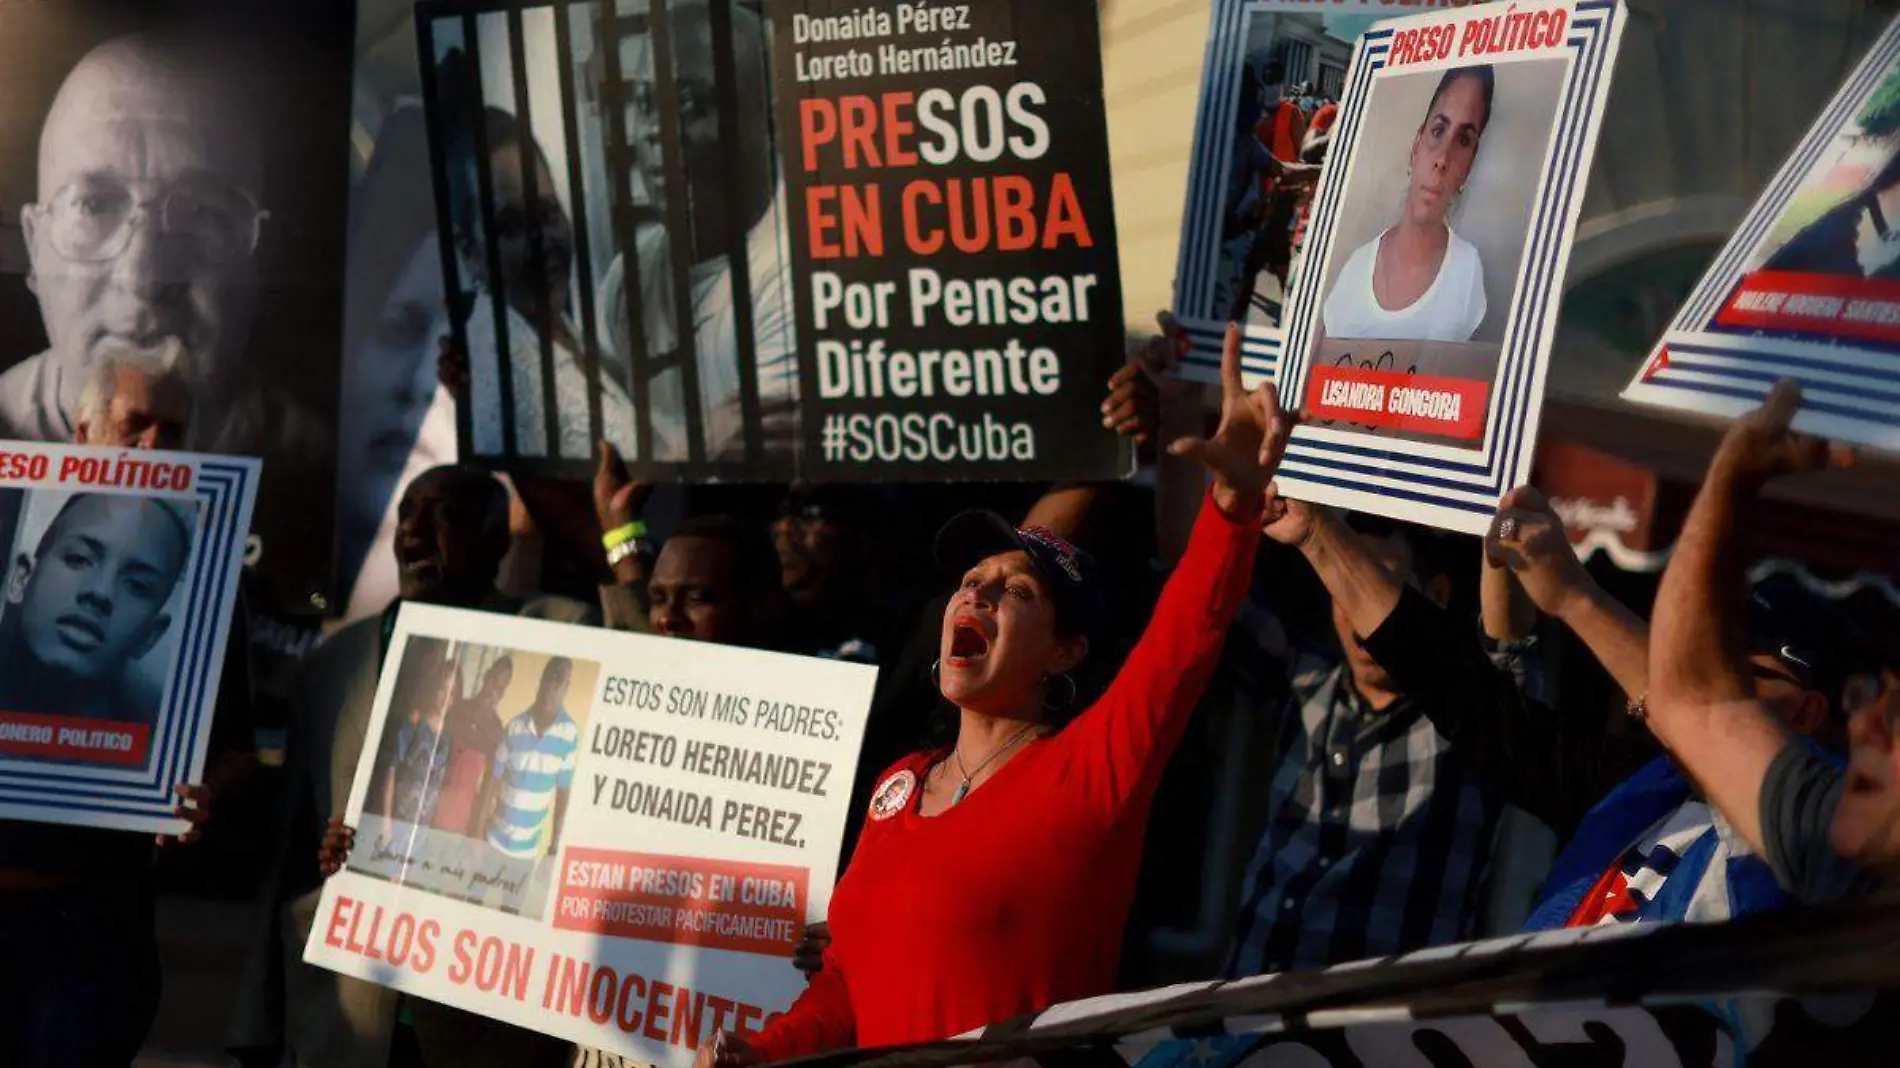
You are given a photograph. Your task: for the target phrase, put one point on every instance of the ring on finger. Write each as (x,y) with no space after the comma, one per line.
(1507,528)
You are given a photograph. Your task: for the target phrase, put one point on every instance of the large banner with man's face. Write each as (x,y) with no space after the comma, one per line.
(753,239)
(173,185)
(121,573)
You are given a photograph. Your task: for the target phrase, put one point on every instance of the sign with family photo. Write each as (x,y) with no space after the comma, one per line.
(588,832)
(121,575)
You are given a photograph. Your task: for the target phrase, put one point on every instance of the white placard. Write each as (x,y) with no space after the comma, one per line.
(121,572)
(625,860)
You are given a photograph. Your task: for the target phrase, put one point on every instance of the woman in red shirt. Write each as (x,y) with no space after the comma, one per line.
(994,877)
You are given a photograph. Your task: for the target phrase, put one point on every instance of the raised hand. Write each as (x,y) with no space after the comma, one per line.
(618,499)
(1763,443)
(1246,449)
(1527,538)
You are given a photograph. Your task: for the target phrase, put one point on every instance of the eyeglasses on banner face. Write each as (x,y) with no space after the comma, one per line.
(91,220)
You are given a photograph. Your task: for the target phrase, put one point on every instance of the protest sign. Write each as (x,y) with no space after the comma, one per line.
(1420,325)
(1270,88)
(609,837)
(917,200)
(958,301)
(121,572)
(1808,287)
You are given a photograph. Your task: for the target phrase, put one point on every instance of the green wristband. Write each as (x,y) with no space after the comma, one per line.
(619,536)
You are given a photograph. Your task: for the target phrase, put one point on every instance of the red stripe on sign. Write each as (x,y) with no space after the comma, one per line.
(67,738)
(1420,404)
(688,901)
(1827,304)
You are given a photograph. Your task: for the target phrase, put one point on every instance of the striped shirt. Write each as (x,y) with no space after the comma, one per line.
(1378,831)
(531,766)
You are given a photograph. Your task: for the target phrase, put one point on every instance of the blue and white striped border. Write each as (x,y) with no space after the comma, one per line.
(1434,484)
(141,799)
(1199,252)
(1852,387)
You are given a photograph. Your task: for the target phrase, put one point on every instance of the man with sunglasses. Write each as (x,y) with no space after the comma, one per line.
(143,241)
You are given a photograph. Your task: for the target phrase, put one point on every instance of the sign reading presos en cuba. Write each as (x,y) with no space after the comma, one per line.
(952,238)
(121,574)
(1808,287)
(609,837)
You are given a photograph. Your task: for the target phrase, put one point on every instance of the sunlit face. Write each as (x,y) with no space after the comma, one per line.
(1000,640)
(142,414)
(136,147)
(694,592)
(1866,826)
(1443,150)
(92,598)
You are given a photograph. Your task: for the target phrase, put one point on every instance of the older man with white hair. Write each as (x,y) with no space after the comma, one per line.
(133,400)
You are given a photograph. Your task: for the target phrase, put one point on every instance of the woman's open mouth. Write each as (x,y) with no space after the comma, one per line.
(968,644)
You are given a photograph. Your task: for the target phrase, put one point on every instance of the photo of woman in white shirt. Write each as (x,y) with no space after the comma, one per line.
(1418,280)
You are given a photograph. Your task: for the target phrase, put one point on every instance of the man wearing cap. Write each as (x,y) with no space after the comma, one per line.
(1644,843)
(1829,834)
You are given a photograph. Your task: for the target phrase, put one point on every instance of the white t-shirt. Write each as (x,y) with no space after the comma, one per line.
(1450,309)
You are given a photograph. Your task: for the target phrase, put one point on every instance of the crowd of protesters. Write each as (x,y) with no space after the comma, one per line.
(1036,676)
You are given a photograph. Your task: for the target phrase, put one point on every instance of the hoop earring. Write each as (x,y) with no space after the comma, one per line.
(1057,706)
(936,672)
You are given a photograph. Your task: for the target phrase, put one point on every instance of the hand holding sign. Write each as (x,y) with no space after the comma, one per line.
(1250,441)
(1763,443)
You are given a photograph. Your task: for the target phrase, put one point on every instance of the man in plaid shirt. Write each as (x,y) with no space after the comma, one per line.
(1378,832)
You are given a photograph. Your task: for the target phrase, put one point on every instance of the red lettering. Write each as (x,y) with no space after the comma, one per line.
(687,1008)
(817,124)
(897,130)
(631,992)
(819,221)
(337,921)
(720,1007)
(369,944)
(657,993)
(749,1017)
(600,995)
(425,944)
(1065,216)
(1015,213)
(859,131)
(969,222)
(914,235)
(464,965)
